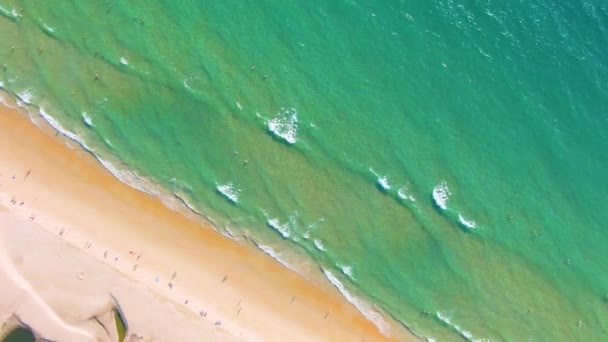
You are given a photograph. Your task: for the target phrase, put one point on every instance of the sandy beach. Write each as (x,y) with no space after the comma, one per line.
(76,243)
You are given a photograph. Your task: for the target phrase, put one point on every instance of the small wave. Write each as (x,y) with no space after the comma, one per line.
(367,311)
(283,229)
(467,223)
(26,96)
(402,193)
(87,119)
(441,194)
(239,105)
(230,191)
(382,181)
(48,28)
(446,318)
(320,246)
(347,270)
(285,125)
(12,14)
(124,61)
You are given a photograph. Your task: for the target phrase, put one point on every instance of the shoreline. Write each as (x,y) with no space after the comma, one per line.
(157,246)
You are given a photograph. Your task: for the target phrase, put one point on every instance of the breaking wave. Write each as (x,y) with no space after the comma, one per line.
(441,194)
(467,223)
(285,125)
(230,191)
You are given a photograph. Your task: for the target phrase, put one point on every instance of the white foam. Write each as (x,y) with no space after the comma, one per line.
(367,311)
(446,317)
(320,246)
(87,119)
(26,96)
(230,191)
(467,223)
(283,229)
(441,194)
(239,106)
(402,193)
(124,61)
(347,270)
(48,28)
(285,125)
(382,180)
(12,13)
(57,126)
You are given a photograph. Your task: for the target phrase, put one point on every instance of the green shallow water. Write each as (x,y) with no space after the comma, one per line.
(503,103)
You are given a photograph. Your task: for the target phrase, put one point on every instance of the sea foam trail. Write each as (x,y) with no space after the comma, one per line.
(285,125)
(441,194)
(370,313)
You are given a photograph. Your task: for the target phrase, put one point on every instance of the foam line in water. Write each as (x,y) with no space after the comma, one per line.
(467,223)
(347,270)
(319,245)
(285,125)
(441,194)
(285,229)
(59,128)
(26,96)
(446,318)
(124,61)
(381,180)
(48,28)
(87,119)
(230,191)
(402,193)
(13,14)
(367,311)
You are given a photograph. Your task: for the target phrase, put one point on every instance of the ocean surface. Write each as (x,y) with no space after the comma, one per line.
(443,162)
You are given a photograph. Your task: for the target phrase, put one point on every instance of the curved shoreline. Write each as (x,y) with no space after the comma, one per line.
(73,192)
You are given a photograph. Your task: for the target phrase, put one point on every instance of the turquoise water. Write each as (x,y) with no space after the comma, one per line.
(444,160)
